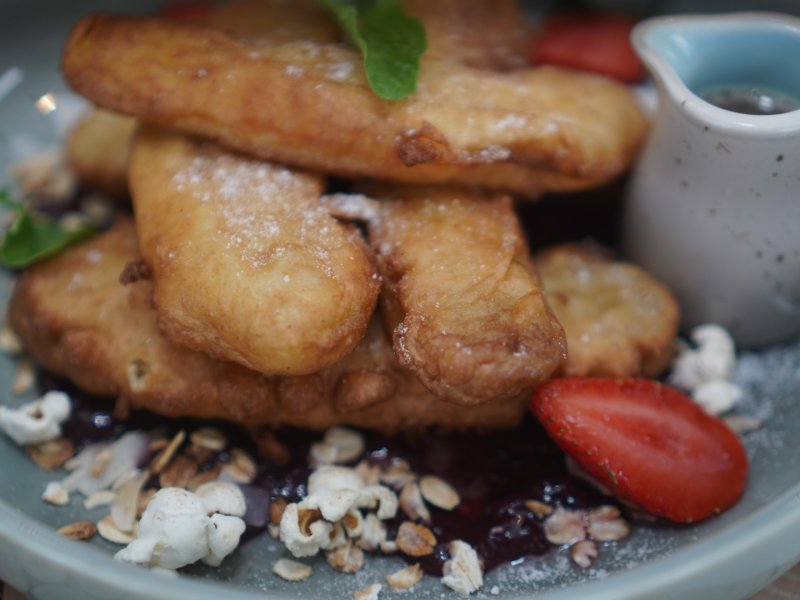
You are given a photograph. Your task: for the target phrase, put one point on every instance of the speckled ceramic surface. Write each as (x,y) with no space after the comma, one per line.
(725,558)
(712,207)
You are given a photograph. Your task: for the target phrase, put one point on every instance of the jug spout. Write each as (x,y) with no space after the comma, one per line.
(713,204)
(748,63)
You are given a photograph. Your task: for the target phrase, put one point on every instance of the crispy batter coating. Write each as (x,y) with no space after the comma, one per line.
(483,34)
(618,319)
(308,104)
(247,265)
(461,298)
(98,150)
(77,320)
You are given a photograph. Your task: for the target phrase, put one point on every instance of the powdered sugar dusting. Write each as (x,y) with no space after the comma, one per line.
(261,207)
(357,207)
(340,72)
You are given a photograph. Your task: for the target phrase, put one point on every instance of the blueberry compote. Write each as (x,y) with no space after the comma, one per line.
(494,474)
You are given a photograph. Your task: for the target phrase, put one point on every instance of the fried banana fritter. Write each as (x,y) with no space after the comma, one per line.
(618,319)
(98,150)
(308,104)
(77,320)
(247,265)
(461,298)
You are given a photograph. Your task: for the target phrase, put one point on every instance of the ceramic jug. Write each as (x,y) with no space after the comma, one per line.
(713,207)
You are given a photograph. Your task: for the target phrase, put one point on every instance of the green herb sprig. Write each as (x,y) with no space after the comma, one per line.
(390,42)
(32,238)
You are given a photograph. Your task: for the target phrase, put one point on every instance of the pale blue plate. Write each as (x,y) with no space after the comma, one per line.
(726,558)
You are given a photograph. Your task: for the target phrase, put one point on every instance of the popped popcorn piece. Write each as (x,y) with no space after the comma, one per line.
(123,457)
(223,532)
(348,558)
(742,423)
(705,372)
(338,537)
(222,497)
(373,534)
(378,498)
(717,397)
(176,530)
(713,359)
(303,541)
(37,421)
(462,572)
(353,524)
(334,494)
(331,487)
(334,504)
(329,477)
(172,531)
(54,493)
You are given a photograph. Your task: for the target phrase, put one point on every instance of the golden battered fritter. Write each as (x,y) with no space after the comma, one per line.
(461,298)
(481,33)
(618,319)
(307,104)
(247,265)
(77,320)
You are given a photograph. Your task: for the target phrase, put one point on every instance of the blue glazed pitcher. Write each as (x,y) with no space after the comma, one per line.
(713,208)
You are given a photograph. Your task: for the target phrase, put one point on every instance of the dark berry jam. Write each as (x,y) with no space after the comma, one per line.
(494,473)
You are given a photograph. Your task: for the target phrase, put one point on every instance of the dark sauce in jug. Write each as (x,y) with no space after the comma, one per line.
(750,100)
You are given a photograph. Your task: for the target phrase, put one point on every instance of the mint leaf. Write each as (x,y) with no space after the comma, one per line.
(33,238)
(390,42)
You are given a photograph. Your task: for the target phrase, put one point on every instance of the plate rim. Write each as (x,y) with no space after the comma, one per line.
(750,538)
